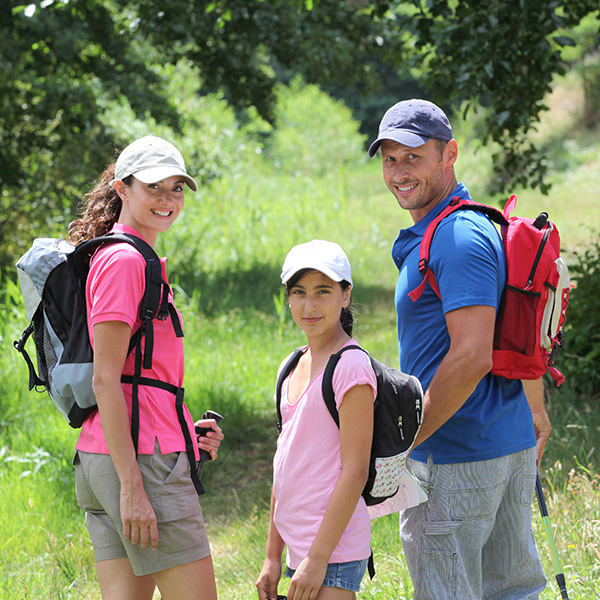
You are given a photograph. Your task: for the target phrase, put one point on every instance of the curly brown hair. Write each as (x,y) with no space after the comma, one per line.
(99,211)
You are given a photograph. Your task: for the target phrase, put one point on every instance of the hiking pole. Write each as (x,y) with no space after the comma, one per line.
(560,578)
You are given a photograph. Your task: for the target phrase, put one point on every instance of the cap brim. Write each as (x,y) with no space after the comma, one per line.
(159,173)
(401,136)
(289,273)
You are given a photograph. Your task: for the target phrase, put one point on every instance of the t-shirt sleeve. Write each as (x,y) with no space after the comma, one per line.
(468,262)
(354,368)
(116,284)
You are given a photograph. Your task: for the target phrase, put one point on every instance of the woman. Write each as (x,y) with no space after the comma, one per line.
(319,471)
(142,509)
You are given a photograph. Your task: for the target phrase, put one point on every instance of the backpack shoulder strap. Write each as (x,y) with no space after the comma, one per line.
(154,304)
(283,374)
(327,385)
(455,204)
(155,301)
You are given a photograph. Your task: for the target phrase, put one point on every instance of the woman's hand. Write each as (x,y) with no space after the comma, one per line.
(307,579)
(137,516)
(212,439)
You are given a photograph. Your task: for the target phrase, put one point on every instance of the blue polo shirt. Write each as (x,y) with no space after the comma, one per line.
(467,258)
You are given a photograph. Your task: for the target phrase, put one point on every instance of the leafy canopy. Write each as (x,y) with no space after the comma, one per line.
(67,62)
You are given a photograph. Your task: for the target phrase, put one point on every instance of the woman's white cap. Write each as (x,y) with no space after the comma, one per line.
(151,159)
(320,255)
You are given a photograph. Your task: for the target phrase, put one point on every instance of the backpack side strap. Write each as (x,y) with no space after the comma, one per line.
(178,392)
(289,366)
(34,379)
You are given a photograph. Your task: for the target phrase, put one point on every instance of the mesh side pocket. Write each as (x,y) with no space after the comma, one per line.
(516,323)
(46,356)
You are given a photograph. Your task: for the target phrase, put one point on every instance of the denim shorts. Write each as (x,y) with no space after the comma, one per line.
(346,576)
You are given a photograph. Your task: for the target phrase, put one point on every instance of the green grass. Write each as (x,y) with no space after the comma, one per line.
(227,250)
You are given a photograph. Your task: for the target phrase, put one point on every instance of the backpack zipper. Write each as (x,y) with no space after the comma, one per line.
(537,258)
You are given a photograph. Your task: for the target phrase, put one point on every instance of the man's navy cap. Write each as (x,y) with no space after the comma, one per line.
(413,123)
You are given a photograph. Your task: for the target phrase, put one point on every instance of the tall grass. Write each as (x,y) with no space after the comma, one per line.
(225,255)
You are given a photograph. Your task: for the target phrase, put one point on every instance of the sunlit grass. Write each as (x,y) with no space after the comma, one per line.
(225,255)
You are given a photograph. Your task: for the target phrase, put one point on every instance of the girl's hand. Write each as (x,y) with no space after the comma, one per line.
(307,579)
(212,439)
(266,584)
(138,517)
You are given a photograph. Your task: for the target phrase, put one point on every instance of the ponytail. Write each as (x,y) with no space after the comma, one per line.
(347,320)
(346,316)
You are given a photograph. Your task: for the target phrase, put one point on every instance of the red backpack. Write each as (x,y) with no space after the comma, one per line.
(529,325)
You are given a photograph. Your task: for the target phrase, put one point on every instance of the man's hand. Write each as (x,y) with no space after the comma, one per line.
(534,390)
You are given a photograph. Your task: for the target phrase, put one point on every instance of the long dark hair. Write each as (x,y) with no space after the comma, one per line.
(99,211)
(346,316)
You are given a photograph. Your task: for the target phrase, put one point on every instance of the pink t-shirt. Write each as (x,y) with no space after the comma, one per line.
(307,465)
(115,287)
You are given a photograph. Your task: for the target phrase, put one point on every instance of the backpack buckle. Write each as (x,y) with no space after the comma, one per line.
(423,265)
(556,347)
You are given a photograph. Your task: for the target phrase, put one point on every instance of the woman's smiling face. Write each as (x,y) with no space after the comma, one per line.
(151,208)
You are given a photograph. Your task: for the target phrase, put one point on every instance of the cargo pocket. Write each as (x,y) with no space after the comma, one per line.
(439,565)
(527,476)
(174,497)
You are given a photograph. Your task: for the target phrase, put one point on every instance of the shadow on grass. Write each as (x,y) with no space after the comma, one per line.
(240,479)
(253,287)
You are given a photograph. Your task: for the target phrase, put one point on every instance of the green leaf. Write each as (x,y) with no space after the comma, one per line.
(563,40)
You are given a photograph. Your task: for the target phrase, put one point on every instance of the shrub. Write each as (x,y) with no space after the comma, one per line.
(314,134)
(581,355)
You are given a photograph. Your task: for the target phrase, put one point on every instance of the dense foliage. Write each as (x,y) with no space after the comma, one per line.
(499,55)
(67,63)
(582,347)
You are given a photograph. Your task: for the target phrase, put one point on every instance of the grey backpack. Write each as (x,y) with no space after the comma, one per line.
(53,275)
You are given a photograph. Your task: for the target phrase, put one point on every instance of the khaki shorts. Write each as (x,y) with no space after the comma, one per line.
(181,533)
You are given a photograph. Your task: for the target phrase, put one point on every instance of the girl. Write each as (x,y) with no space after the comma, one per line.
(319,471)
(142,511)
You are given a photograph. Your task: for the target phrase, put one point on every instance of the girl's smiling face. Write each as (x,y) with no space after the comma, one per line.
(316,302)
(151,208)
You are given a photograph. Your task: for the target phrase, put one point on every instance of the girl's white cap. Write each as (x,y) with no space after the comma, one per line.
(151,159)
(320,255)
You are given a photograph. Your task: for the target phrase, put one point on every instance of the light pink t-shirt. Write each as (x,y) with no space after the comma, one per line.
(115,287)
(307,465)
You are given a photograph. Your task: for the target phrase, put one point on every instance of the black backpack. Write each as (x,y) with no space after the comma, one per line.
(397,419)
(53,276)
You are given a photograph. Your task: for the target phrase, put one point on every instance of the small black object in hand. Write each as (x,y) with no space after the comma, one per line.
(201,431)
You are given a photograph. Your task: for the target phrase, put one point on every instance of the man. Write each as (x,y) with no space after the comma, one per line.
(476,453)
